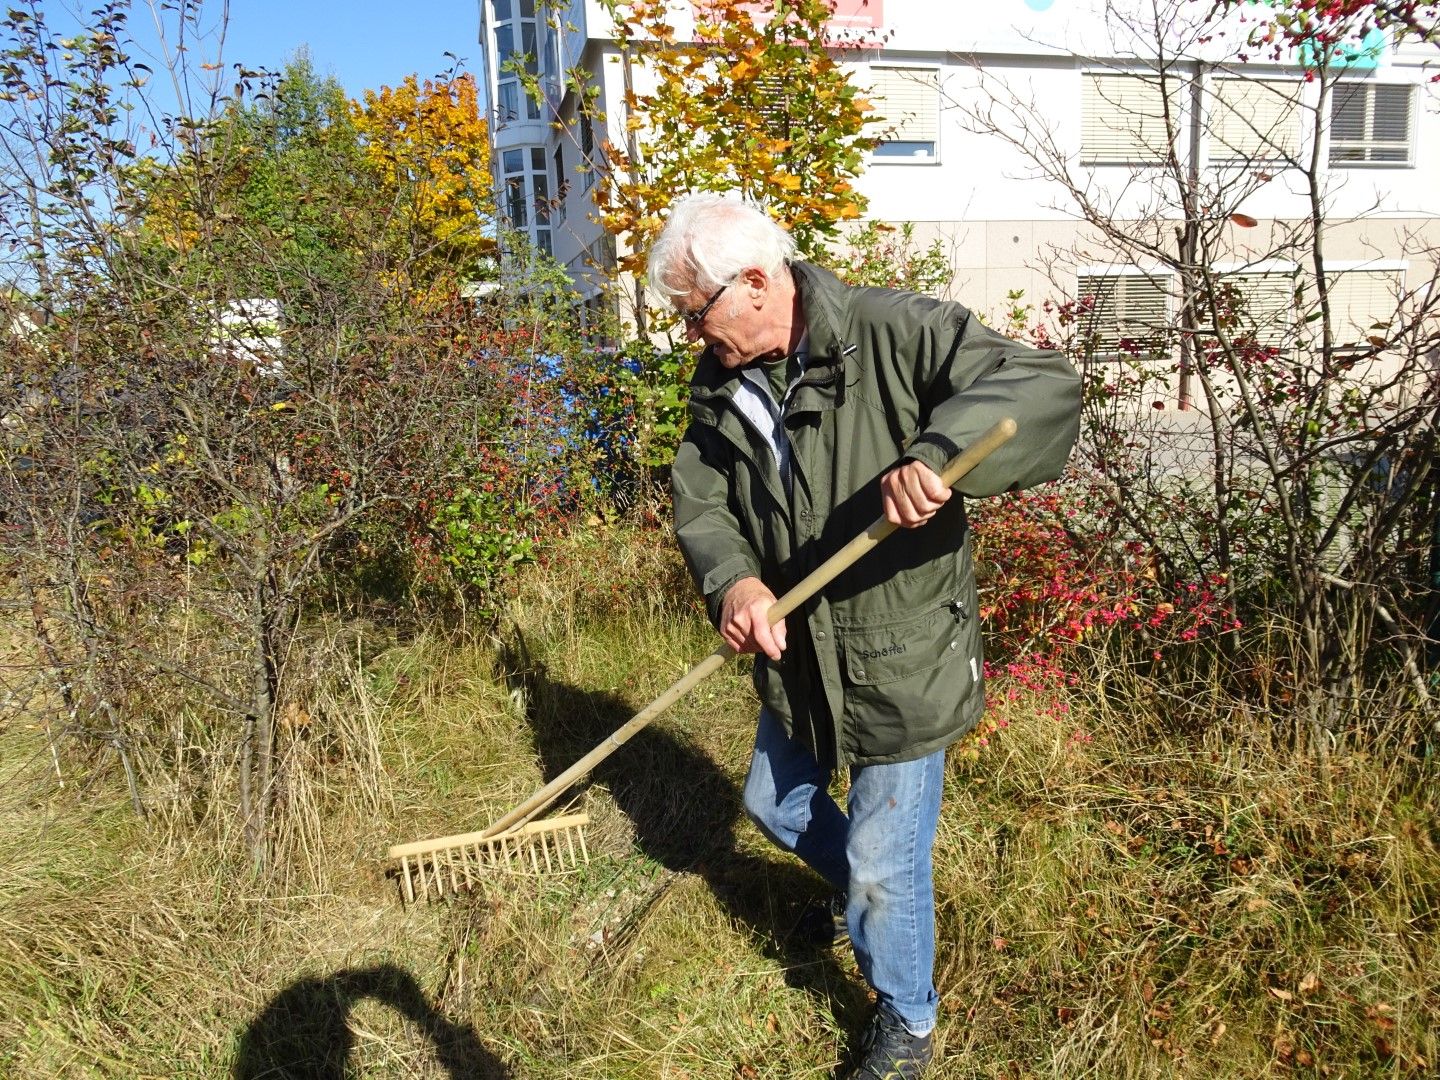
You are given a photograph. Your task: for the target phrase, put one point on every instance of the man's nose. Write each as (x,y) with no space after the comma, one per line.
(692,331)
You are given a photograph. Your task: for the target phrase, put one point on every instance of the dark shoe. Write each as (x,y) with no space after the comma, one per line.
(889,1052)
(822,924)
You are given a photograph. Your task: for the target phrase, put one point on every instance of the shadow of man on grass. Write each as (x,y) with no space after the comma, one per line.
(685,810)
(304,1033)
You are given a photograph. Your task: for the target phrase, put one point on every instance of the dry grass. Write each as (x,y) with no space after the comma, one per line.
(1220,909)
(1143,905)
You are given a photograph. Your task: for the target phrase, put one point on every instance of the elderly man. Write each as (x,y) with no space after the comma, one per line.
(814,407)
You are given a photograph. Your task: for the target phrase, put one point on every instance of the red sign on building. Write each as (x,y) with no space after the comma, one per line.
(849,14)
(858,15)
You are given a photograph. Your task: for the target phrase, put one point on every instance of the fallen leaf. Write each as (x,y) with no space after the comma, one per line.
(1309,984)
(1284,1046)
(1282,995)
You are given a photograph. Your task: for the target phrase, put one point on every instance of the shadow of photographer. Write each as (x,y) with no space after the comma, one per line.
(304,1032)
(684,809)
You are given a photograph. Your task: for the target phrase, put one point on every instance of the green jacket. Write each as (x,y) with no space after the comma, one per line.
(885,665)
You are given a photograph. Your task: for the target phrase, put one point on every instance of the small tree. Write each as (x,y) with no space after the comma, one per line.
(427,143)
(1304,489)
(756,103)
(226,378)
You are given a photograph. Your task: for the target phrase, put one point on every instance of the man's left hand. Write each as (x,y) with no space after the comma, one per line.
(912,494)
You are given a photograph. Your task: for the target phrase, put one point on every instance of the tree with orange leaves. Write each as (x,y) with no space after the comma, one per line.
(756,103)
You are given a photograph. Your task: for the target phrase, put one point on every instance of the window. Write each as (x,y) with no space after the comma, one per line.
(1362,304)
(908,103)
(1261,304)
(562,184)
(775,106)
(1370,124)
(1128,313)
(1253,119)
(515,46)
(1123,120)
(527,193)
(587,151)
(600,256)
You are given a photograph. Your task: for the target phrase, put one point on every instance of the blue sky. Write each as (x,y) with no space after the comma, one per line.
(364,43)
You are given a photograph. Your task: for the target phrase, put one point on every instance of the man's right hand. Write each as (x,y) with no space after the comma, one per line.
(744,621)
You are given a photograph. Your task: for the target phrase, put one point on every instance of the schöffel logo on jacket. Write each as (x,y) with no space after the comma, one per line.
(893,649)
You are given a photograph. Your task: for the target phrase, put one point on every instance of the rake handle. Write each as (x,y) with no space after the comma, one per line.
(955,470)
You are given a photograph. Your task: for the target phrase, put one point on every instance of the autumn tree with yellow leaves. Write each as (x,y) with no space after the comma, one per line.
(427,145)
(757,103)
(300,189)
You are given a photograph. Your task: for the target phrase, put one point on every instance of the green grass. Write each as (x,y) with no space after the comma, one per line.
(1147,904)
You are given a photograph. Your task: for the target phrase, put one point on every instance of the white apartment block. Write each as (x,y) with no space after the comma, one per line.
(1001,117)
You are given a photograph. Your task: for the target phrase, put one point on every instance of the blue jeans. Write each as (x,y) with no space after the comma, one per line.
(878,855)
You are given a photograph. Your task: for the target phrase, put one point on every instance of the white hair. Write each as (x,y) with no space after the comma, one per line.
(709,239)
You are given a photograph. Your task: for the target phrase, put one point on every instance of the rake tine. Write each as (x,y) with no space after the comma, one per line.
(405,879)
(454,864)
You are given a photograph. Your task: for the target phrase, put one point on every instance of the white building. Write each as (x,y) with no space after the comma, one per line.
(1003,117)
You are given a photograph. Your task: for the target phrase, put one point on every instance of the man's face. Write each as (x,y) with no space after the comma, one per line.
(729,320)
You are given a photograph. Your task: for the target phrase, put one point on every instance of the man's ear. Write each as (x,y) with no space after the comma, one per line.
(756,282)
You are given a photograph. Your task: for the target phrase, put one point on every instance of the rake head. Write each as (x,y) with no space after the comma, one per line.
(434,869)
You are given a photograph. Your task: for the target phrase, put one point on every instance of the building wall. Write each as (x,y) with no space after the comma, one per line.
(1026,63)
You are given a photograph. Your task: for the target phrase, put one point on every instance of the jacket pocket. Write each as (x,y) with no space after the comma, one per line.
(886,652)
(907,682)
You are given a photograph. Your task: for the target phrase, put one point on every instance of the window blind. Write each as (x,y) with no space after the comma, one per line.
(1370,123)
(1127,310)
(1267,306)
(1254,118)
(1358,300)
(1122,119)
(908,100)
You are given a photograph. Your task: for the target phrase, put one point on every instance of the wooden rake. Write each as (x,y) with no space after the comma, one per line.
(434,869)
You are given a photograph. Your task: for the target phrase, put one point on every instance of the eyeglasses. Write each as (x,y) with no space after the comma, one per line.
(696,317)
